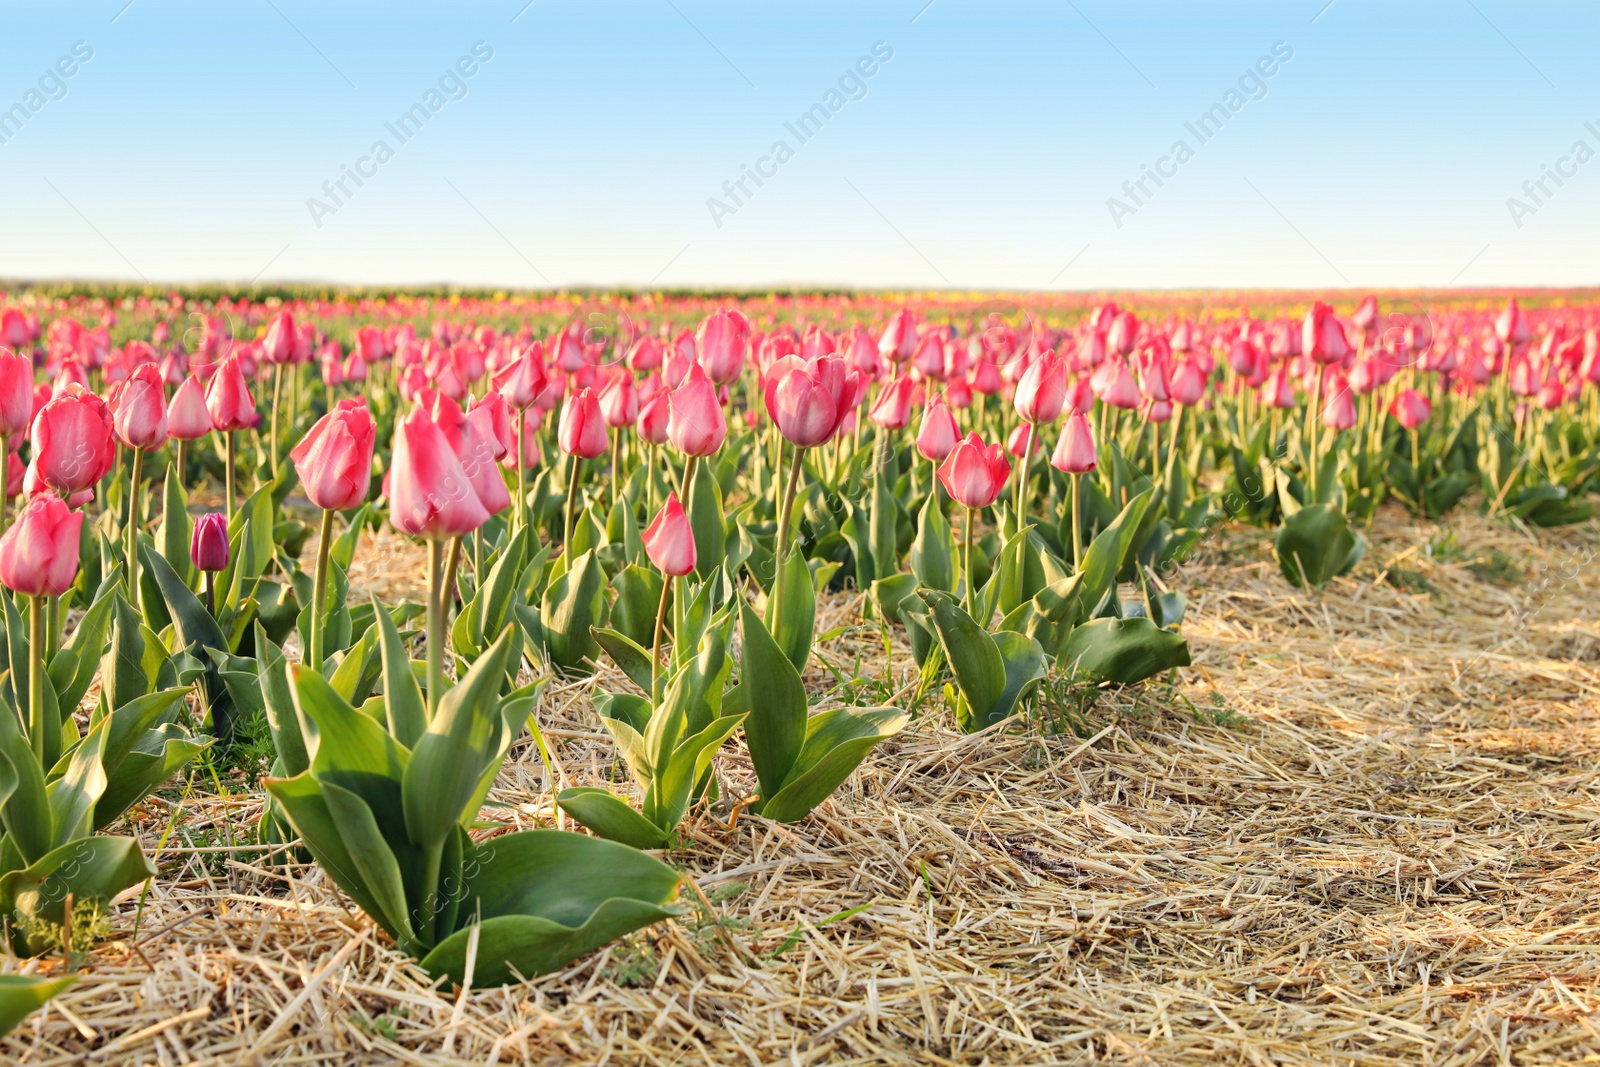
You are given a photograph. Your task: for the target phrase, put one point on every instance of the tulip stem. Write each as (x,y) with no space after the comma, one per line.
(319,597)
(211,593)
(38,732)
(131,535)
(277,404)
(1172,445)
(616,467)
(451,569)
(1311,434)
(1022,475)
(520,515)
(780,546)
(966,564)
(227,473)
(436,637)
(655,655)
(572,502)
(1077,525)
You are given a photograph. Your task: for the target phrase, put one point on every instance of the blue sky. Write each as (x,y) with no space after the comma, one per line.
(981,155)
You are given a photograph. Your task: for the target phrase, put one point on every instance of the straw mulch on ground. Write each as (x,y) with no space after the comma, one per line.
(1360,830)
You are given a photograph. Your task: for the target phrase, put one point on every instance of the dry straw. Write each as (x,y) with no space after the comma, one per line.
(1374,845)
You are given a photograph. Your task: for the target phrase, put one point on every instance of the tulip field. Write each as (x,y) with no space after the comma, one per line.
(675,677)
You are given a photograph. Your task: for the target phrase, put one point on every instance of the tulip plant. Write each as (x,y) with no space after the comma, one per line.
(1015,495)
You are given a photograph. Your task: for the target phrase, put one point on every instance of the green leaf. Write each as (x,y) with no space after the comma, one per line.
(633,613)
(611,817)
(979,669)
(705,518)
(408,715)
(302,801)
(573,604)
(176,531)
(1104,558)
(1123,651)
(632,658)
(1313,545)
(772,692)
(156,757)
(933,547)
(374,861)
(90,868)
(452,755)
(794,631)
(194,623)
(21,994)
(73,795)
(26,811)
(836,742)
(547,897)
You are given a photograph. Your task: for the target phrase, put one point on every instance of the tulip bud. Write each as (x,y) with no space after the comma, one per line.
(334,459)
(893,409)
(187,415)
(695,423)
(1075,450)
(208,549)
(140,416)
(937,436)
(974,473)
(582,431)
(72,444)
(669,539)
(16,394)
(228,398)
(1410,409)
(1042,389)
(39,553)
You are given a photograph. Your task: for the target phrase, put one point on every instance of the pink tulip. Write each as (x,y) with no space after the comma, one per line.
(1042,390)
(892,410)
(619,401)
(72,441)
(490,415)
(937,436)
(334,459)
(669,539)
(974,473)
(208,548)
(1188,384)
(1321,336)
(721,342)
(140,416)
(582,431)
(187,415)
(654,416)
(228,398)
(429,493)
(523,381)
(695,423)
(1339,409)
(39,553)
(280,342)
(1075,450)
(808,399)
(16,394)
(1410,409)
